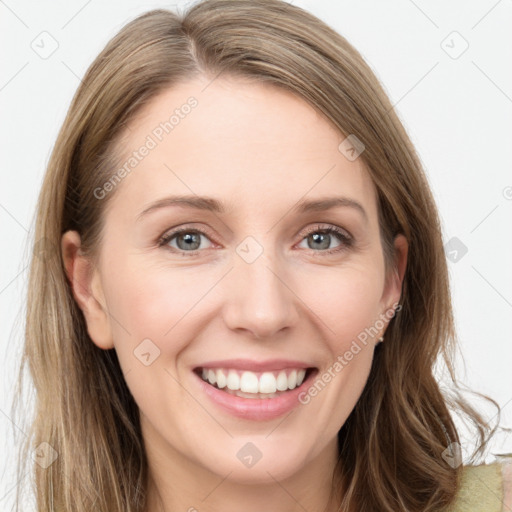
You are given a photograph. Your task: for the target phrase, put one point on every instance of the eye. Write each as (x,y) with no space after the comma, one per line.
(320,237)
(187,239)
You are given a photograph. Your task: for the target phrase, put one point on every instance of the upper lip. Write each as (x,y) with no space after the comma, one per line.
(255,366)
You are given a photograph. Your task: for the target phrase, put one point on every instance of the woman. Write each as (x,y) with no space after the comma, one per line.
(286,362)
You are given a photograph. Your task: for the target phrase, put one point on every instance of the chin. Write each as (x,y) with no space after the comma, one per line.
(257,459)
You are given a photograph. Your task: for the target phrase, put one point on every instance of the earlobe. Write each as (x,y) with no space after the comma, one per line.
(86,287)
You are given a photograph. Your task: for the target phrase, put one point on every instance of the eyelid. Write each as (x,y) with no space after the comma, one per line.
(320,226)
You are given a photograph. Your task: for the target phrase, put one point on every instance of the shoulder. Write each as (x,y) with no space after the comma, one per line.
(485,488)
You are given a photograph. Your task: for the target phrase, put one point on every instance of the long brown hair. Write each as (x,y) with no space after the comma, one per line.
(392,444)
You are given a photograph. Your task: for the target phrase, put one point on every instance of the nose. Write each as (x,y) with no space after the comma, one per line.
(259,299)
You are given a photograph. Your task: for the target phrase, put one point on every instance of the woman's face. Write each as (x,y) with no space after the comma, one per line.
(253,293)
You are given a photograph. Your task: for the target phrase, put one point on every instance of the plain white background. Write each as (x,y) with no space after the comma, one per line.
(446,68)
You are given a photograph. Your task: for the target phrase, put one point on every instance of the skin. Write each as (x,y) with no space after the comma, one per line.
(259,150)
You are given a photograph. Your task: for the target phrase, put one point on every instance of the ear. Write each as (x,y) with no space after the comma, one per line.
(394,280)
(87,290)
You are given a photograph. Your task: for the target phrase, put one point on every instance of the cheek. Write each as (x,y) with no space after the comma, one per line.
(347,302)
(151,311)
(151,302)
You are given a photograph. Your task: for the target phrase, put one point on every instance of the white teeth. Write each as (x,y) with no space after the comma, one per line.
(212,377)
(266,383)
(282,382)
(292,379)
(233,381)
(221,379)
(249,382)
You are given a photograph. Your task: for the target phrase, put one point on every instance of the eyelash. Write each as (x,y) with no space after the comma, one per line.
(347,241)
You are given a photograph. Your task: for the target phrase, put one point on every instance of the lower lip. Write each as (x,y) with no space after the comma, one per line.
(256,409)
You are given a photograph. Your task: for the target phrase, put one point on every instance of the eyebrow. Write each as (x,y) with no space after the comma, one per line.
(214,205)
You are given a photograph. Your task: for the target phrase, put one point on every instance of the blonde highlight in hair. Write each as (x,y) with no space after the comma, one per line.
(390,455)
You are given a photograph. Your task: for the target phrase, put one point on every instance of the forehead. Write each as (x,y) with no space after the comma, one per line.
(251,143)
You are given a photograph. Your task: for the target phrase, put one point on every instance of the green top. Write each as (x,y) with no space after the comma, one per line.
(484,488)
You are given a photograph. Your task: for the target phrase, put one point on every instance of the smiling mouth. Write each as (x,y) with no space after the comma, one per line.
(258,385)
